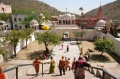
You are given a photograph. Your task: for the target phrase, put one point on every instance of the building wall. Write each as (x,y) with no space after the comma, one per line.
(116,41)
(16,20)
(5,8)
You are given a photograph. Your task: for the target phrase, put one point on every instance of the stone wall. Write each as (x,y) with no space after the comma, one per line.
(115,40)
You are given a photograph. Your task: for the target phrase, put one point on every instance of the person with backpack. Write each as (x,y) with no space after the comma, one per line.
(80,68)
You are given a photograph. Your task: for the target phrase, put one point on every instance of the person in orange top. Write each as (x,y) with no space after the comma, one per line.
(68,64)
(36,63)
(2,76)
(62,66)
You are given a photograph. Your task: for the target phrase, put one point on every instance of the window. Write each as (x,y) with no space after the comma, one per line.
(3,9)
(15,19)
(19,19)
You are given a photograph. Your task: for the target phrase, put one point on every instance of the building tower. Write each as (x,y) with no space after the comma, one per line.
(100,15)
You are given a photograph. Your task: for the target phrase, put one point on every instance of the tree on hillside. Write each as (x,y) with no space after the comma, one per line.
(104,45)
(13,39)
(29,18)
(79,34)
(48,38)
(5,17)
(25,34)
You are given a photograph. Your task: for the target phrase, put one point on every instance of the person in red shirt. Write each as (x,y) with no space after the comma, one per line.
(2,76)
(36,63)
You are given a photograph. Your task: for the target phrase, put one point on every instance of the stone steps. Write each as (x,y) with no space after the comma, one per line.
(69,74)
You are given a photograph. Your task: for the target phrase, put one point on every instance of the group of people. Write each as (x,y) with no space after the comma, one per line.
(78,67)
(64,64)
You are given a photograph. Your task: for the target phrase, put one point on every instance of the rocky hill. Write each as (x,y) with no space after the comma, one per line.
(26,6)
(111,10)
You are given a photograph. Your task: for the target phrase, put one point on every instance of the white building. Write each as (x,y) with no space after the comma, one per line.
(16,21)
(66,19)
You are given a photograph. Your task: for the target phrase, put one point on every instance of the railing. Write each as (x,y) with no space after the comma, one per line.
(17,66)
(101,73)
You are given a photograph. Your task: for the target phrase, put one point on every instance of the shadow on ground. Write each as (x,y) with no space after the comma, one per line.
(99,58)
(115,57)
(33,55)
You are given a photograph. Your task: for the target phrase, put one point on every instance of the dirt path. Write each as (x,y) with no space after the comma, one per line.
(94,53)
(32,47)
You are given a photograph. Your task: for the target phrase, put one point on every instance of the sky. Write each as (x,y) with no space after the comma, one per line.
(74,5)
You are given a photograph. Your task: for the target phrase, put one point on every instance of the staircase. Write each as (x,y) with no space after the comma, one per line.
(68,75)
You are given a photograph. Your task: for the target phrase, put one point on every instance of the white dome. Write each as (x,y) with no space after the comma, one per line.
(3,23)
(69,15)
(60,15)
(73,17)
(34,23)
(101,23)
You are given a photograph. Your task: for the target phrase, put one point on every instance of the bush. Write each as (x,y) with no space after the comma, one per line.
(4,54)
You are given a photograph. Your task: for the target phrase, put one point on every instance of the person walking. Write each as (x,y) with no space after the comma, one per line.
(67,48)
(62,46)
(80,68)
(36,63)
(81,51)
(2,75)
(62,66)
(52,65)
(73,66)
(67,64)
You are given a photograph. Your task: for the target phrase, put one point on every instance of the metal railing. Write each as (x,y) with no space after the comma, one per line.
(17,66)
(101,73)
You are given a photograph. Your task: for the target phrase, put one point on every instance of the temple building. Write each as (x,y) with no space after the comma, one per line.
(5,8)
(90,21)
(66,19)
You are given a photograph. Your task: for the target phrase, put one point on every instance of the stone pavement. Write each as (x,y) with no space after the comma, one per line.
(73,51)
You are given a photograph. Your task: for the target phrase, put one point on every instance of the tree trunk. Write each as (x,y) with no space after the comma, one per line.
(47,50)
(15,50)
(81,39)
(26,42)
(101,53)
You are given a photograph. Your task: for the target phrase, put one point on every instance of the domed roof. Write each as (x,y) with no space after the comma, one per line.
(69,15)
(34,23)
(3,23)
(101,23)
(73,17)
(60,15)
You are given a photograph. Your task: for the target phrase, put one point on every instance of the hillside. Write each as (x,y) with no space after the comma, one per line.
(26,6)
(111,10)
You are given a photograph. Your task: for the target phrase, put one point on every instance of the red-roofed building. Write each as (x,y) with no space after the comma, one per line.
(89,21)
